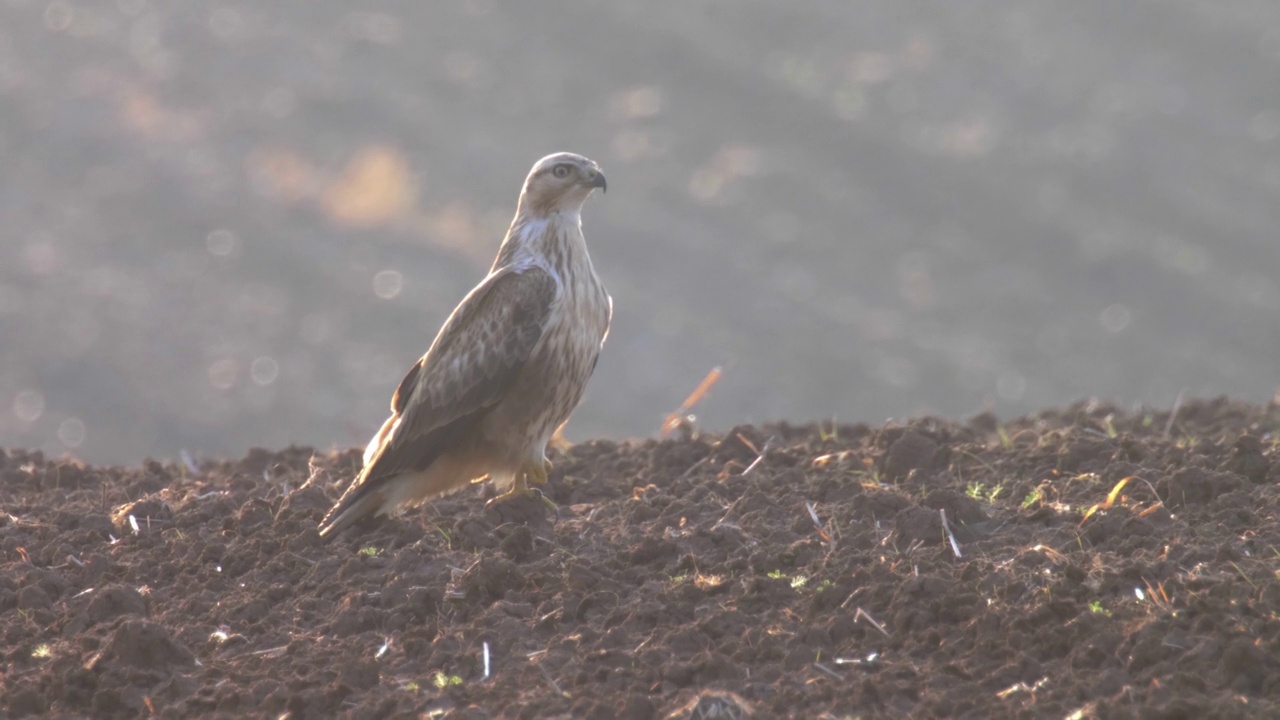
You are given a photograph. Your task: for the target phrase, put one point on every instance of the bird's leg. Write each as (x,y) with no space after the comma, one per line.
(540,479)
(519,488)
(539,472)
(531,473)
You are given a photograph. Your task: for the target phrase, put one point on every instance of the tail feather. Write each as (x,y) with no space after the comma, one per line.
(378,491)
(360,501)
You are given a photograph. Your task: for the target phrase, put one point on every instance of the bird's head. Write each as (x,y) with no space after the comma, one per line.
(560,183)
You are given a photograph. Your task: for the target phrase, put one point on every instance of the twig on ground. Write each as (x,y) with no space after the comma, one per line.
(1153,490)
(1110,502)
(822,531)
(299,557)
(955,546)
(551,681)
(759,458)
(315,472)
(1049,552)
(693,467)
(1023,687)
(677,418)
(189,462)
(1173,414)
(862,614)
(828,671)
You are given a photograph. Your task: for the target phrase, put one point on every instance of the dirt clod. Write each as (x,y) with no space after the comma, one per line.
(911,451)
(115,601)
(144,645)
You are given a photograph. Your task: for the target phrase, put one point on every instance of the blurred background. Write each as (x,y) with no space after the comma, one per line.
(236,224)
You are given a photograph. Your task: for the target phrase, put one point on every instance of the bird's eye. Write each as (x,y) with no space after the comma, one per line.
(560,171)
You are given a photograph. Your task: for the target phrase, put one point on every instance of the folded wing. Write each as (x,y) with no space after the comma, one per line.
(468,370)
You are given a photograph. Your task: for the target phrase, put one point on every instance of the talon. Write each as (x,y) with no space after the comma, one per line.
(551,505)
(532,474)
(504,497)
(519,488)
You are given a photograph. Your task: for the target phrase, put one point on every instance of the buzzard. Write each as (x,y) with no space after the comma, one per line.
(507,368)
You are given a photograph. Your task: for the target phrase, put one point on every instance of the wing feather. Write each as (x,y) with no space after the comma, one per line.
(398,401)
(467,371)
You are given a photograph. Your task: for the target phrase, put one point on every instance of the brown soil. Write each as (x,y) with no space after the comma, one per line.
(675,582)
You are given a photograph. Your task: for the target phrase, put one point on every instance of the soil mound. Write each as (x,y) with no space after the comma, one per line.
(1085,562)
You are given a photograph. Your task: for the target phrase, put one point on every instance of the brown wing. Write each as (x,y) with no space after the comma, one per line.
(398,400)
(405,390)
(608,322)
(468,370)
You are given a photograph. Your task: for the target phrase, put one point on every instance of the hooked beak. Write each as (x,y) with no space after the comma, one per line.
(597,180)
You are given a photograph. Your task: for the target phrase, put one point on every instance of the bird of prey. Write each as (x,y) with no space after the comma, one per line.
(507,368)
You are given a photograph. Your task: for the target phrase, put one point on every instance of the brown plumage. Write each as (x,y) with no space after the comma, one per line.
(507,368)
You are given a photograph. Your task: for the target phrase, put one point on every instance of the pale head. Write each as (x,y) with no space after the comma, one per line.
(560,183)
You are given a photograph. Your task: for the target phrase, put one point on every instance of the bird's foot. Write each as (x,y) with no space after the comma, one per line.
(519,489)
(534,473)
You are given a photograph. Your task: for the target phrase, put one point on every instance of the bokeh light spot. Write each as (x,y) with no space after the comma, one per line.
(1115,318)
(43,257)
(375,187)
(387,284)
(264,370)
(636,104)
(221,243)
(900,372)
(71,432)
(28,406)
(223,373)
(58,16)
(870,68)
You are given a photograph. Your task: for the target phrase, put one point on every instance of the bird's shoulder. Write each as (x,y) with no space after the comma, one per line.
(508,298)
